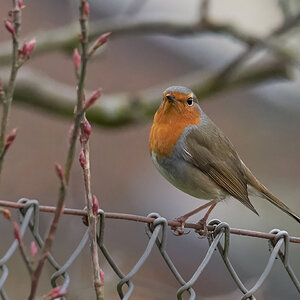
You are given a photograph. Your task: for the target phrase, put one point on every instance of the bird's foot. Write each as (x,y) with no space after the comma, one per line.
(203,232)
(179,230)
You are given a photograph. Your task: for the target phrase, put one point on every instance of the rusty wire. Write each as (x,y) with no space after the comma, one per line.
(219,239)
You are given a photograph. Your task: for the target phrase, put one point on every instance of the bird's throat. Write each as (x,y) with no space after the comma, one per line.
(169,123)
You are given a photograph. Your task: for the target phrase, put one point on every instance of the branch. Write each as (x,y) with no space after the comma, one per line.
(7,96)
(92,207)
(65,38)
(64,176)
(42,92)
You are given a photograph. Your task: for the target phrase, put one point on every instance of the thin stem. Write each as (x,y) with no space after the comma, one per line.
(25,258)
(80,91)
(70,156)
(8,96)
(48,242)
(92,218)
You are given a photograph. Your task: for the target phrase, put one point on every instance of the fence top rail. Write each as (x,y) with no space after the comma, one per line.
(137,218)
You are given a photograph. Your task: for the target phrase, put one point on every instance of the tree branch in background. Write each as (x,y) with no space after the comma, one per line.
(66,38)
(204,7)
(42,92)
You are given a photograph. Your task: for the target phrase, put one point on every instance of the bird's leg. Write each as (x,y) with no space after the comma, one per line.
(182,219)
(202,222)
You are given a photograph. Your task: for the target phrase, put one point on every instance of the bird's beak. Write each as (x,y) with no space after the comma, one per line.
(170,98)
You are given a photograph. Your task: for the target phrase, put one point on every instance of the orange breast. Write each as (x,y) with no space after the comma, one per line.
(169,123)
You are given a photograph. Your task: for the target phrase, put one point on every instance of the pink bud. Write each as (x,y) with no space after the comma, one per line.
(96,94)
(76,58)
(87,128)
(102,275)
(10,139)
(95,205)
(17,232)
(59,171)
(27,48)
(21,5)
(103,39)
(86,9)
(55,293)
(33,248)
(31,45)
(82,159)
(9,26)
(6,213)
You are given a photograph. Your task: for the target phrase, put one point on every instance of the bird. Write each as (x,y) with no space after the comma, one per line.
(194,155)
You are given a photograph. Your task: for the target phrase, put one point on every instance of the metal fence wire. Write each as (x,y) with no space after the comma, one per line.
(156,231)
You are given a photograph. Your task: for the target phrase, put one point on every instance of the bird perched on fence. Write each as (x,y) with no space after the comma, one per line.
(191,152)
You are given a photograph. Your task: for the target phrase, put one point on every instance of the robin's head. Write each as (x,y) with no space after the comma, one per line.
(179,110)
(181,99)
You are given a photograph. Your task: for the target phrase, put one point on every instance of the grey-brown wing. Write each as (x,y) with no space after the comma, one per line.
(214,155)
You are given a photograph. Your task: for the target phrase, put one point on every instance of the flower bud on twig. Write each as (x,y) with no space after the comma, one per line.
(102,275)
(87,128)
(17,233)
(6,213)
(95,205)
(59,171)
(102,39)
(76,58)
(21,5)
(82,159)
(27,48)
(99,42)
(86,9)
(10,139)
(9,26)
(55,293)
(33,249)
(96,95)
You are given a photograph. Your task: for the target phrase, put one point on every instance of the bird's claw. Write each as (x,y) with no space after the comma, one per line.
(179,230)
(203,232)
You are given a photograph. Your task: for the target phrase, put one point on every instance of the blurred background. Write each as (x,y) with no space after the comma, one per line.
(262,121)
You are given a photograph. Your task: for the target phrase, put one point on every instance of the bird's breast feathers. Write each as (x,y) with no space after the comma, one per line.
(167,129)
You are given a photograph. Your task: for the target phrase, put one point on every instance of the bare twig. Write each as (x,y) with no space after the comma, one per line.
(66,38)
(22,248)
(50,237)
(39,91)
(91,210)
(240,59)
(14,28)
(64,176)
(136,218)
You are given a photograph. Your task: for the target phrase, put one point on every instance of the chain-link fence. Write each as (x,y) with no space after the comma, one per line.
(156,230)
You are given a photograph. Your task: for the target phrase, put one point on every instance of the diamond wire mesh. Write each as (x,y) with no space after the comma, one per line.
(219,240)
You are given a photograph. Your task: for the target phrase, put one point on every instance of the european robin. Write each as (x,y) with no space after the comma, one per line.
(193,154)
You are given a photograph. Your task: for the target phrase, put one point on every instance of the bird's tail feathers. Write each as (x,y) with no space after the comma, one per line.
(267,194)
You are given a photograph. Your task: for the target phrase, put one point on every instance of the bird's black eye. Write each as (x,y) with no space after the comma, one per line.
(190,101)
